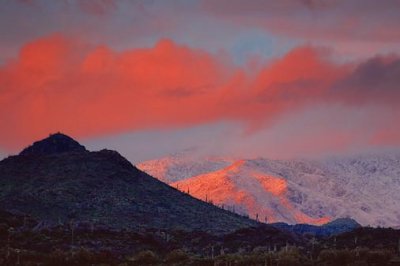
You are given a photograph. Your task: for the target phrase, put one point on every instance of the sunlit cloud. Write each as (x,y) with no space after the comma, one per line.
(58,83)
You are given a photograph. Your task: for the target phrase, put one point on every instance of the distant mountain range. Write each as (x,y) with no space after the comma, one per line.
(335,227)
(57,181)
(364,188)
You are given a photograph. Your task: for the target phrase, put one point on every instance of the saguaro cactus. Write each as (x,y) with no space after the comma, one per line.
(72,227)
(10,231)
(399,247)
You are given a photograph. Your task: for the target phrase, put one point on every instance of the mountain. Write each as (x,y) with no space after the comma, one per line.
(363,187)
(335,227)
(57,181)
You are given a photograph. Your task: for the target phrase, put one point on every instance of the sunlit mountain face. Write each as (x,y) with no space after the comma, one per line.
(364,188)
(297,82)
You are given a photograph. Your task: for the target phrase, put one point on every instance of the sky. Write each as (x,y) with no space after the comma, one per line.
(243,78)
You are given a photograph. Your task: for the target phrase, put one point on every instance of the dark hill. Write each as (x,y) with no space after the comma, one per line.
(335,227)
(56,180)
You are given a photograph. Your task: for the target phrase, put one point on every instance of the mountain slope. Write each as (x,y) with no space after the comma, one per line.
(251,191)
(181,166)
(60,184)
(364,188)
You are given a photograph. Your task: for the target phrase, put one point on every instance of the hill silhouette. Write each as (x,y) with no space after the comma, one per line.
(56,181)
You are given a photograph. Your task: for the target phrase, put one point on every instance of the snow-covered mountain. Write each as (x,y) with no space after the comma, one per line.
(182,165)
(365,188)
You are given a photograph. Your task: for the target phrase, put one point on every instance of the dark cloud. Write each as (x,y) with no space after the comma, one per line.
(377,79)
(98,7)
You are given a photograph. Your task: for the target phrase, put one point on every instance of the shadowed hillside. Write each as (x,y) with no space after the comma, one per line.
(57,180)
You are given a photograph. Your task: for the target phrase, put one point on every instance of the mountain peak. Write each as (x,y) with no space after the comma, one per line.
(54,144)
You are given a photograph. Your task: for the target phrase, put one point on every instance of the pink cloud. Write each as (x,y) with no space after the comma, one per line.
(62,84)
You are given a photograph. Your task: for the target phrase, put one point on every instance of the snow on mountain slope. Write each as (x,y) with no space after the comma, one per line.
(251,191)
(295,191)
(181,165)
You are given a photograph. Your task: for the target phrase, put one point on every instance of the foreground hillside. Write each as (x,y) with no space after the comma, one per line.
(364,188)
(58,181)
(23,242)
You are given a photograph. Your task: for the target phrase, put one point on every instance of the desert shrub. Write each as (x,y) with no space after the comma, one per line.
(3,230)
(83,257)
(177,257)
(34,257)
(361,252)
(57,257)
(254,258)
(378,257)
(146,257)
(196,261)
(227,259)
(105,256)
(250,259)
(231,259)
(291,257)
(359,263)
(336,257)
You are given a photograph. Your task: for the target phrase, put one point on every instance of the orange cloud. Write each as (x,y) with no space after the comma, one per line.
(57,84)
(61,84)
(302,77)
